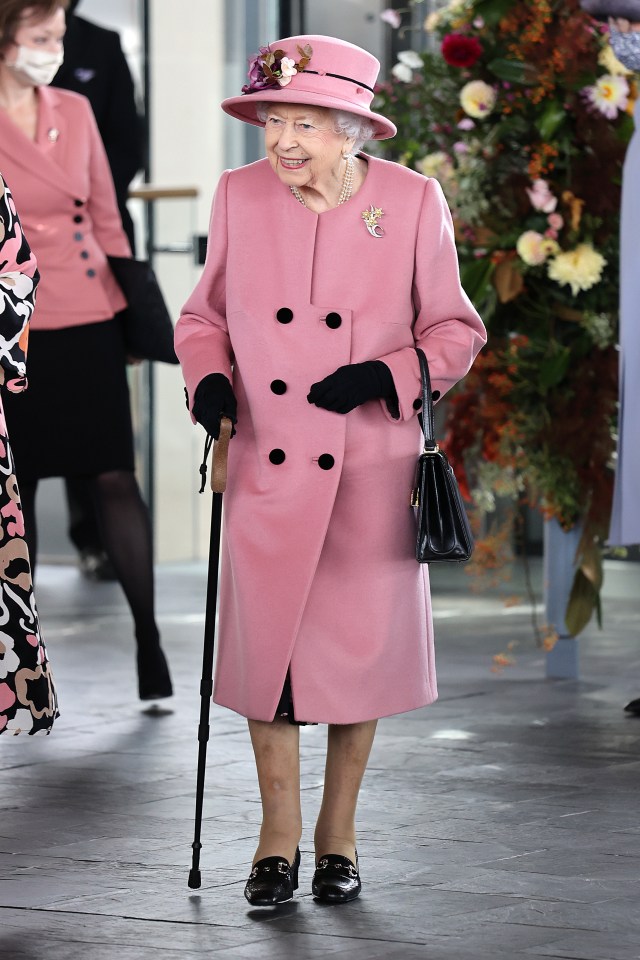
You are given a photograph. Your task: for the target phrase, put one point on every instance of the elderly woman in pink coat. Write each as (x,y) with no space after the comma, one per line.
(75,419)
(325,269)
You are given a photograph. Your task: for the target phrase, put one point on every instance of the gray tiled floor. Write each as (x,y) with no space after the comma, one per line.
(502,822)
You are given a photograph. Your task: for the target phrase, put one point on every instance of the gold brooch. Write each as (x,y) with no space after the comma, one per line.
(371,217)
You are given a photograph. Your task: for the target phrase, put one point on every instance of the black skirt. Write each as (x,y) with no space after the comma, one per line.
(75,418)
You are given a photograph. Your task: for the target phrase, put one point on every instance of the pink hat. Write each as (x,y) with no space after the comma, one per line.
(315,71)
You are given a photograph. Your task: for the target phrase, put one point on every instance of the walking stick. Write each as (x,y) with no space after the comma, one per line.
(218,485)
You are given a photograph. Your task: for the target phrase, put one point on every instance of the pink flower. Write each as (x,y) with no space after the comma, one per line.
(391,17)
(555,221)
(541,197)
(460,147)
(466,124)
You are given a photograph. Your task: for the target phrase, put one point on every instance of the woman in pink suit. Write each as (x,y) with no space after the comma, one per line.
(75,419)
(325,268)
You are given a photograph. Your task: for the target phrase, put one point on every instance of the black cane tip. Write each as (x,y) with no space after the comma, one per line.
(195,879)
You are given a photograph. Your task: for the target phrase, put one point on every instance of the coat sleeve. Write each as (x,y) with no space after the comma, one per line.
(18,281)
(102,203)
(447,326)
(121,126)
(202,339)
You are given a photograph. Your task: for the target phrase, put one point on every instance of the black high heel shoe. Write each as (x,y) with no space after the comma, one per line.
(272,881)
(336,879)
(154,680)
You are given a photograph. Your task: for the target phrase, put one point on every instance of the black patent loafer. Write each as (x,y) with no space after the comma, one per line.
(272,881)
(633,707)
(336,879)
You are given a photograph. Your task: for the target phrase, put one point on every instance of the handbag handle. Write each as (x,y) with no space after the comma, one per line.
(427,420)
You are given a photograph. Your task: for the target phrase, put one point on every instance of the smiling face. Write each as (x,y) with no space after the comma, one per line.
(302,146)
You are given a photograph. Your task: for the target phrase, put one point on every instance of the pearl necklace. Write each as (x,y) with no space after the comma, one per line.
(347,184)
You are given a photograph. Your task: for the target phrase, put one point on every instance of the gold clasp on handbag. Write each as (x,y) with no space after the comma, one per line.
(432,450)
(415,497)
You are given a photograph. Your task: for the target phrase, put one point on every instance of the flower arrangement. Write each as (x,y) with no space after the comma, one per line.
(273,68)
(523,114)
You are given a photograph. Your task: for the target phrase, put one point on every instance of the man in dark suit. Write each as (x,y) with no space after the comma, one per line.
(95,66)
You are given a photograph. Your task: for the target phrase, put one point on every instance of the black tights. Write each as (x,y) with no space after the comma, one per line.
(126,534)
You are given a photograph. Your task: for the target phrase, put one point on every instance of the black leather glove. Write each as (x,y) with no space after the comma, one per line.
(213,400)
(353,385)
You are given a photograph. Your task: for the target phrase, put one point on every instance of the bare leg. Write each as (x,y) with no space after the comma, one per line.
(348,749)
(276,747)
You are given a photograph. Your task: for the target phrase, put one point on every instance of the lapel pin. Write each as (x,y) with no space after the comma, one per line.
(371,217)
(53,134)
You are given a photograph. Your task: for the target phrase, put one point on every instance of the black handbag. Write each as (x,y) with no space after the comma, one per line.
(146,324)
(603,9)
(443,527)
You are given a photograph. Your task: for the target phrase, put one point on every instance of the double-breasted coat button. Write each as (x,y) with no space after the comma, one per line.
(277,456)
(435,395)
(325,461)
(333,320)
(78,218)
(79,203)
(91,272)
(78,236)
(278,386)
(417,403)
(284,315)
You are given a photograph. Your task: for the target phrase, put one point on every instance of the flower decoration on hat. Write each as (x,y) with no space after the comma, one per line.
(273,68)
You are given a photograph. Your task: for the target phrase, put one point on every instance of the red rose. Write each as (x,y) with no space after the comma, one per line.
(461,51)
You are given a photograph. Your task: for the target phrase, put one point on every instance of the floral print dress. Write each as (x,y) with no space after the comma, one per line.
(28,701)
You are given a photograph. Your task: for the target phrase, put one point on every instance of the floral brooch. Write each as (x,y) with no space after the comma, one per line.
(273,68)
(371,217)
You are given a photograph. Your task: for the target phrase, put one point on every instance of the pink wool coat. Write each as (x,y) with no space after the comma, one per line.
(62,186)
(318,568)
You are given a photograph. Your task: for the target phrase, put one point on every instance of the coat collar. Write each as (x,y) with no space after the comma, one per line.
(39,157)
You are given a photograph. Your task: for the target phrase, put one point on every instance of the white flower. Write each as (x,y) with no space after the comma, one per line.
(609,95)
(534,248)
(392,17)
(9,660)
(412,59)
(478,99)
(437,165)
(581,268)
(402,72)
(432,21)
(288,69)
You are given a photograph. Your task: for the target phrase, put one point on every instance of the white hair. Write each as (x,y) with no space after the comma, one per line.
(350,124)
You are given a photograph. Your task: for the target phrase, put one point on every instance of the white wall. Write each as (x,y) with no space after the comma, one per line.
(187,60)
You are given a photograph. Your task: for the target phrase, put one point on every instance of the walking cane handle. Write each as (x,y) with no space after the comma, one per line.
(220,454)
